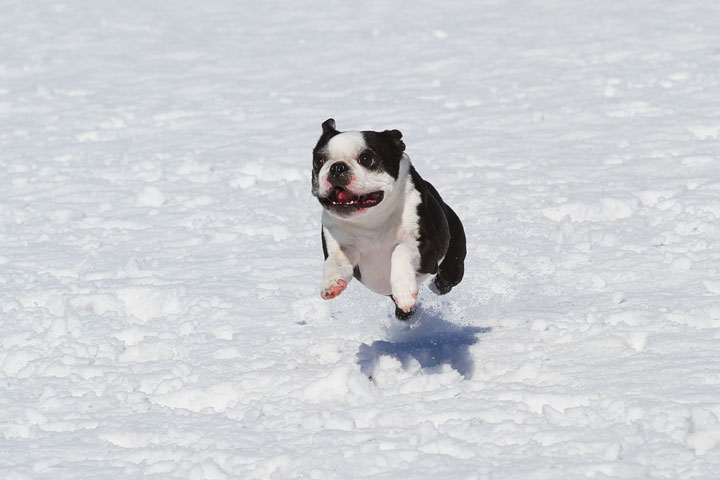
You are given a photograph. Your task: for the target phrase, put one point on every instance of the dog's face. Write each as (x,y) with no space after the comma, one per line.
(355,171)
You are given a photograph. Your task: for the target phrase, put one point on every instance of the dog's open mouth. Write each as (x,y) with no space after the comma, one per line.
(342,200)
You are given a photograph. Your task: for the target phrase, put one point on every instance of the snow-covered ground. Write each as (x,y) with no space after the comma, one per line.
(160,256)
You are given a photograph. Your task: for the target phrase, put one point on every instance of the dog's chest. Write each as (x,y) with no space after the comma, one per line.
(372,249)
(374,259)
(370,244)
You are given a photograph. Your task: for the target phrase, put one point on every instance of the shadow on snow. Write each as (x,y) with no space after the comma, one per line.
(428,339)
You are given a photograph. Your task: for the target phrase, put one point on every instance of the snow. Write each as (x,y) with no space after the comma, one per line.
(160,254)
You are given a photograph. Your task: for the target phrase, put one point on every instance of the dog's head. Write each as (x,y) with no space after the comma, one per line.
(355,171)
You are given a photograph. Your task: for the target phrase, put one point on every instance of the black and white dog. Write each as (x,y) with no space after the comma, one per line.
(382,223)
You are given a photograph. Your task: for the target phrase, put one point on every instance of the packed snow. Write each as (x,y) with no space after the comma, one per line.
(160,257)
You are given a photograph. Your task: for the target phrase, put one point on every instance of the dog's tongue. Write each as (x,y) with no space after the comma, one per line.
(343,196)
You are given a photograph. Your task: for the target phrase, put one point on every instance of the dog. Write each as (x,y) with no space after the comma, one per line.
(382,223)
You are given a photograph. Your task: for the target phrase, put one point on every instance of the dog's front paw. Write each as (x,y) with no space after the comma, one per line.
(405,298)
(332,288)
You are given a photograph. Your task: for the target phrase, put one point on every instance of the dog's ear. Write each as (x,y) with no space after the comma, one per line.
(395,137)
(328,126)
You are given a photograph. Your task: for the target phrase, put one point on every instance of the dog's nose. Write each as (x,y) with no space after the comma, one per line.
(338,169)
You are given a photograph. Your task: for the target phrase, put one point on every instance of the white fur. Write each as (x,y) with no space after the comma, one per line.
(337,266)
(405,261)
(382,241)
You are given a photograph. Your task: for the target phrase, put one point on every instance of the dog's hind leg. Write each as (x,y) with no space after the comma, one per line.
(452,268)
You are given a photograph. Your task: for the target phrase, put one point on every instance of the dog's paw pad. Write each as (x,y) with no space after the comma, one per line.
(333,289)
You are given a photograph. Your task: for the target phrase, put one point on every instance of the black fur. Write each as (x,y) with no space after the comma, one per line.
(329,131)
(452,268)
(404,316)
(324,245)
(388,147)
(441,236)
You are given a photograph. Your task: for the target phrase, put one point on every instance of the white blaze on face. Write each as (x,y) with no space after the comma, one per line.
(346,147)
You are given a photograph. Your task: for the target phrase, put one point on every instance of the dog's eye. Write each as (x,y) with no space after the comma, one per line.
(367,159)
(318,161)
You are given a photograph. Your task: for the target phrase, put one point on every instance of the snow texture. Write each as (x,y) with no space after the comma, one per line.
(160,255)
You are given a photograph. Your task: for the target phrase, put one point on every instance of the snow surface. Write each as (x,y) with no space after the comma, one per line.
(160,254)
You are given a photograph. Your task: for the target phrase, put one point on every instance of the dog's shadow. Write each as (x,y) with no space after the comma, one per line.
(429,339)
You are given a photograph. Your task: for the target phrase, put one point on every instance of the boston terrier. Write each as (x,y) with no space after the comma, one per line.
(382,223)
